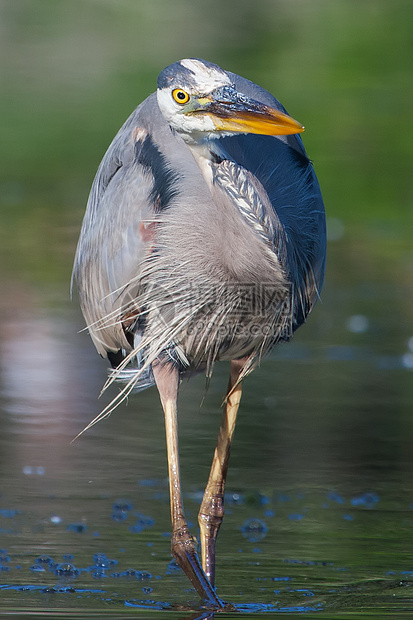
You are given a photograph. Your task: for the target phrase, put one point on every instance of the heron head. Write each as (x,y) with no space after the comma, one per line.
(199,100)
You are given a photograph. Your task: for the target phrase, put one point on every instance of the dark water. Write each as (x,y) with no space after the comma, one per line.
(320,489)
(319,504)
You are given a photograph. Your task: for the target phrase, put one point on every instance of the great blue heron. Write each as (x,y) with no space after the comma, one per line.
(203,240)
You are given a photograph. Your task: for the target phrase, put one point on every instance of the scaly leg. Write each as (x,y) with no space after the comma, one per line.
(211,512)
(183,546)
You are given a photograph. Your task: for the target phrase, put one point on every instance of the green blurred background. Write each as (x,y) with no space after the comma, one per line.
(71,72)
(331,410)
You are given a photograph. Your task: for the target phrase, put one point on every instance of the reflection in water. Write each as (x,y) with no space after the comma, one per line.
(43,391)
(37,378)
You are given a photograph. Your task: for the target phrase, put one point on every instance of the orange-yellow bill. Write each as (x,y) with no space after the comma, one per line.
(267,121)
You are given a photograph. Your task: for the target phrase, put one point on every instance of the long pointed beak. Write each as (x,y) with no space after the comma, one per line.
(232,111)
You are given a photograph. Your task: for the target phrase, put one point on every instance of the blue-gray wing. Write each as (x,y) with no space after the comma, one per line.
(134,182)
(283,168)
(112,241)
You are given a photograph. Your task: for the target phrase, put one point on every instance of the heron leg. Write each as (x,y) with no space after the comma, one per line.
(211,512)
(182,545)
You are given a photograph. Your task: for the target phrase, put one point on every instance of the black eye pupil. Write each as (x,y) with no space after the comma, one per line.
(181,95)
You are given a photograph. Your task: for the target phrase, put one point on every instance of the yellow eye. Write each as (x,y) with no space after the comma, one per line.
(180,96)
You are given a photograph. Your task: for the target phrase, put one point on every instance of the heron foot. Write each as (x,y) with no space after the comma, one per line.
(184,552)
